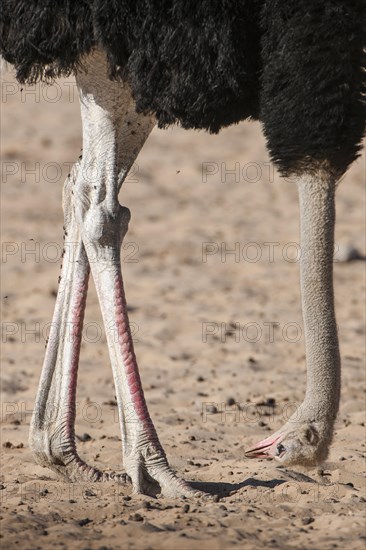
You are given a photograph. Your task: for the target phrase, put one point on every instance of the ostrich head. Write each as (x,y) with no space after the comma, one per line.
(305,444)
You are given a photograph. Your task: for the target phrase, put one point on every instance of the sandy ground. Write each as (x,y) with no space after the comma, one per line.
(203,323)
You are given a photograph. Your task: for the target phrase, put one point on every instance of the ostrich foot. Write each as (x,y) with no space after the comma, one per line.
(76,470)
(65,461)
(147,467)
(151,474)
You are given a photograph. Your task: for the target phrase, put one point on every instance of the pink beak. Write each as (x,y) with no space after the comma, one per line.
(261,450)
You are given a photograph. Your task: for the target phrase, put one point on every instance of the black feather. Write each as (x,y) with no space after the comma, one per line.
(297,65)
(313,83)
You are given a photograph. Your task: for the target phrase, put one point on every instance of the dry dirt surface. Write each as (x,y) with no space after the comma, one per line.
(212,278)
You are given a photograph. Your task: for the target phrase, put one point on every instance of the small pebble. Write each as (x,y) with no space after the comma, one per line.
(270,402)
(85,437)
(136,517)
(84,521)
(185,508)
(230,401)
(346,253)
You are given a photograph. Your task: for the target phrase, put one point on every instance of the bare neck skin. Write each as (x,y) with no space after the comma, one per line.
(317,209)
(306,437)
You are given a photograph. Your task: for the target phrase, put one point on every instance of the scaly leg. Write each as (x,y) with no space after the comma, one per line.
(113,134)
(52,435)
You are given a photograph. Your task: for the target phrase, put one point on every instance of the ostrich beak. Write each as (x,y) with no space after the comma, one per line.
(262,449)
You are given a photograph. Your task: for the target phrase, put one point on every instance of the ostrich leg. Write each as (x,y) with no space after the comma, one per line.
(113,134)
(52,437)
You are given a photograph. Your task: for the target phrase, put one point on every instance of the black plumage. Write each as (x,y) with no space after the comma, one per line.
(297,65)
(313,82)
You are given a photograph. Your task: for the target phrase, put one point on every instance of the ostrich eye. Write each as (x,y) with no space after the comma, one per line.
(280,449)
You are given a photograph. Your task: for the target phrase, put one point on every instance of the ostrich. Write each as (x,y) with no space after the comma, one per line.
(297,66)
